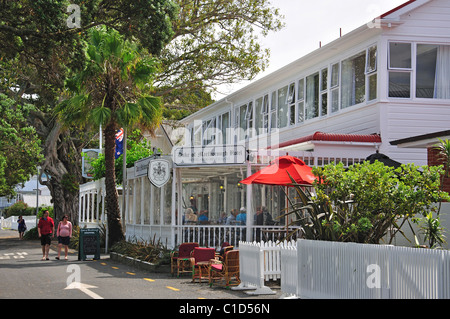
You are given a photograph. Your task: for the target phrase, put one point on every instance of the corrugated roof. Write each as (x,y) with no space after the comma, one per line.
(334,137)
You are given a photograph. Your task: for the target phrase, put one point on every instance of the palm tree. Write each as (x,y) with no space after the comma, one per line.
(112,91)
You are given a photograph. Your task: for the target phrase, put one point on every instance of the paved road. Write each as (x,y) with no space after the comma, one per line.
(23,275)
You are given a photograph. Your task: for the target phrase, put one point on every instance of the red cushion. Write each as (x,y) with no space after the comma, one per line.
(217,267)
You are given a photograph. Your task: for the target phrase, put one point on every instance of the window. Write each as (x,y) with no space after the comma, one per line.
(324,92)
(262,114)
(265,110)
(399,55)
(242,122)
(282,107)
(209,132)
(197,133)
(301,101)
(249,119)
(371,71)
(291,103)
(224,124)
(258,115)
(432,71)
(273,111)
(353,80)
(399,69)
(312,96)
(334,87)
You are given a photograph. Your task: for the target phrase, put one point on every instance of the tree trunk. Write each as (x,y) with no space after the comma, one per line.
(62,165)
(115,230)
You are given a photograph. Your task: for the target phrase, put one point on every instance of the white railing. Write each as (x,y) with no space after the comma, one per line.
(260,262)
(289,269)
(322,269)
(353,271)
(215,235)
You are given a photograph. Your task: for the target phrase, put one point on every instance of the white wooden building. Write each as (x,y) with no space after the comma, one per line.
(386,80)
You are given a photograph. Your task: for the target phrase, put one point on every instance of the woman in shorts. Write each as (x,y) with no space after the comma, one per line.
(64,234)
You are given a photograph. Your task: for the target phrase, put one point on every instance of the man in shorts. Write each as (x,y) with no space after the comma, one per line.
(46,229)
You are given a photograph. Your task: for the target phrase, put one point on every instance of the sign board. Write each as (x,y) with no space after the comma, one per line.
(88,156)
(89,244)
(141,166)
(209,155)
(159,171)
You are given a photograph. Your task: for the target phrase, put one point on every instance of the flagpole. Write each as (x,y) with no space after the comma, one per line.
(124,172)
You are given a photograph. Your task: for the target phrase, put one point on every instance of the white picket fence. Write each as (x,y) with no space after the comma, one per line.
(260,262)
(318,269)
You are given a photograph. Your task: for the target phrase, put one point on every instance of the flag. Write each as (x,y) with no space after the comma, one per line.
(119,143)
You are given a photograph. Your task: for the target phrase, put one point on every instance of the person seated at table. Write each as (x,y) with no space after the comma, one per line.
(268,220)
(203,218)
(241,218)
(222,219)
(232,217)
(189,216)
(259,217)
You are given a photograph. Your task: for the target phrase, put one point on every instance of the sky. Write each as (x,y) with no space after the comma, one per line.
(309,22)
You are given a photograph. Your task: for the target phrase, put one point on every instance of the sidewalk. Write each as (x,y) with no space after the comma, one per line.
(9,233)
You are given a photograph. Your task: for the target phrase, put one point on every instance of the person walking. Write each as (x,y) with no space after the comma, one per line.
(46,228)
(64,233)
(21,227)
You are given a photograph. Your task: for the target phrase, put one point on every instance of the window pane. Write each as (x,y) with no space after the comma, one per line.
(242,122)
(324,104)
(426,70)
(372,87)
(400,55)
(301,89)
(291,97)
(335,100)
(442,86)
(371,60)
(399,84)
(292,114)
(258,114)
(273,113)
(225,126)
(300,117)
(312,96)
(353,81)
(323,85)
(282,107)
(335,75)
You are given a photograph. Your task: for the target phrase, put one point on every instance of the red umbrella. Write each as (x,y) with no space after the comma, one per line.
(277,173)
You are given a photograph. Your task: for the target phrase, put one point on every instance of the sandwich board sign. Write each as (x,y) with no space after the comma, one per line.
(89,245)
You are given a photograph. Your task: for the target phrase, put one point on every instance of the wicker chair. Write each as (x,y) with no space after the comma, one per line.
(200,260)
(180,260)
(226,270)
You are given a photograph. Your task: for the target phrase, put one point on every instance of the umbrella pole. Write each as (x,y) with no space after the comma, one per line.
(287,211)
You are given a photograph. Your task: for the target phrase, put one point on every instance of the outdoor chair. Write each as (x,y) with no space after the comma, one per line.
(223,251)
(180,260)
(226,270)
(200,261)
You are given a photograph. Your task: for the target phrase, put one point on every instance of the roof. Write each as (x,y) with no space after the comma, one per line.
(421,140)
(334,137)
(397,8)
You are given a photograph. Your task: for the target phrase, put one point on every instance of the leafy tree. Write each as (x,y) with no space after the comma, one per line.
(215,42)
(19,145)
(39,51)
(137,148)
(112,91)
(366,202)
